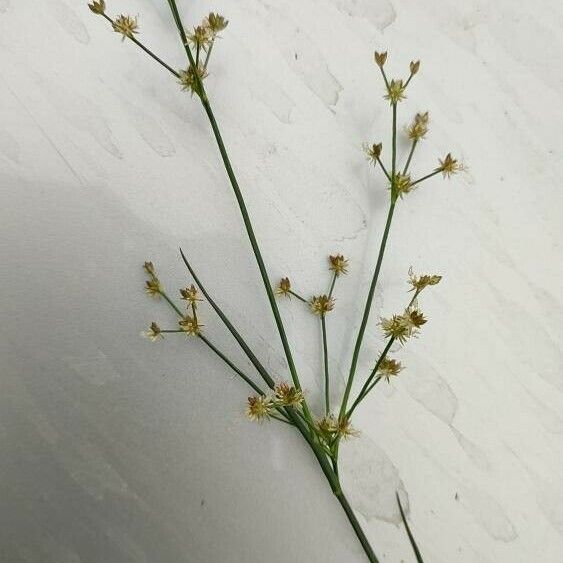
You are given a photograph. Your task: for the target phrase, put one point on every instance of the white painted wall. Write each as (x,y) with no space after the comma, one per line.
(116,450)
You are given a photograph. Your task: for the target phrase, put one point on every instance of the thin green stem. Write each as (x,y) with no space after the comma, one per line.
(147,51)
(437,171)
(298,296)
(280,419)
(172,304)
(239,372)
(407,164)
(384,169)
(409,533)
(208,55)
(394,142)
(325,361)
(408,80)
(367,310)
(384,78)
(332,283)
(230,327)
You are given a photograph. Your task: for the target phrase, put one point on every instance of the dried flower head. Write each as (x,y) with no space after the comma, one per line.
(400,185)
(153,287)
(338,264)
(149,268)
(449,166)
(154,332)
(395,91)
(414,318)
(389,368)
(190,294)
(396,328)
(380,58)
(190,79)
(321,304)
(98,6)
(414,66)
(327,426)
(190,325)
(284,287)
(345,429)
(288,395)
(200,37)
(215,23)
(420,282)
(419,127)
(373,152)
(126,25)
(259,408)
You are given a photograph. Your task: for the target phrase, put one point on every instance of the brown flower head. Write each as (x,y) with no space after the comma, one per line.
(153,287)
(288,395)
(190,325)
(420,282)
(389,368)
(345,429)
(373,151)
(259,408)
(154,332)
(321,304)
(190,79)
(98,6)
(215,23)
(380,58)
(449,166)
(190,294)
(419,127)
(338,264)
(414,66)
(200,37)
(396,328)
(400,185)
(284,287)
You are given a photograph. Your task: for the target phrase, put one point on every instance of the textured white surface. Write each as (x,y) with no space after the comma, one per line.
(115,450)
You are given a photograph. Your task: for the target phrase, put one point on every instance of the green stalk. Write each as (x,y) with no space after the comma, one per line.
(409,533)
(407,164)
(425,177)
(325,360)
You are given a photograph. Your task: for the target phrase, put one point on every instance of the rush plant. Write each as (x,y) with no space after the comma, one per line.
(283,400)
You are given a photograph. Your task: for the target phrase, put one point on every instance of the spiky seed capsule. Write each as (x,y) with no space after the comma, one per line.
(373,152)
(284,287)
(420,282)
(338,264)
(396,328)
(98,7)
(400,185)
(288,395)
(419,127)
(395,91)
(259,408)
(154,332)
(149,269)
(190,294)
(414,66)
(449,166)
(189,78)
(153,287)
(126,25)
(190,325)
(321,304)
(215,23)
(200,37)
(380,58)
(389,368)
(345,429)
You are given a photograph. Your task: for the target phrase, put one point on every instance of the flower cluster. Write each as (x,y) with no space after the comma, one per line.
(153,287)
(154,332)
(389,368)
(418,283)
(400,185)
(373,152)
(402,327)
(449,166)
(284,287)
(192,77)
(331,428)
(338,264)
(126,25)
(419,127)
(261,407)
(395,91)
(98,7)
(190,294)
(321,304)
(190,325)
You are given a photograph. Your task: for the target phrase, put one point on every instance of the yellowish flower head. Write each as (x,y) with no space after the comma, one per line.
(215,23)
(153,287)
(389,368)
(338,264)
(200,37)
(153,333)
(321,304)
(98,6)
(400,185)
(284,287)
(449,166)
(189,78)
(419,127)
(190,294)
(418,283)
(395,91)
(190,325)
(126,25)
(288,395)
(259,408)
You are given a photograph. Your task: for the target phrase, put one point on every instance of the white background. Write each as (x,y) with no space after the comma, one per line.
(114,449)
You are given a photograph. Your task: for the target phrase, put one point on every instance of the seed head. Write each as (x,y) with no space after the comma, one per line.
(284,287)
(200,37)
(420,282)
(400,185)
(414,318)
(190,325)
(345,429)
(449,166)
(419,127)
(189,78)
(373,152)
(98,6)
(396,328)
(215,23)
(321,304)
(288,395)
(338,264)
(149,269)
(380,58)
(414,66)
(327,426)
(190,294)
(389,368)
(259,408)
(153,287)
(395,91)
(126,25)
(153,333)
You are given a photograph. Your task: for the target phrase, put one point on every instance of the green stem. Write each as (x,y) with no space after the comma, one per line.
(325,359)
(367,310)
(409,533)
(394,144)
(332,283)
(298,296)
(208,55)
(172,304)
(425,177)
(384,169)
(280,419)
(147,50)
(407,164)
